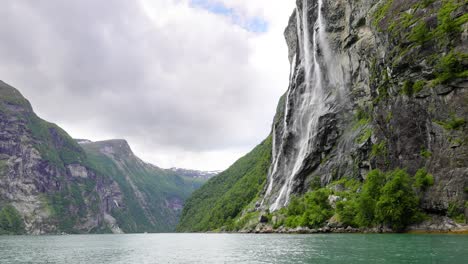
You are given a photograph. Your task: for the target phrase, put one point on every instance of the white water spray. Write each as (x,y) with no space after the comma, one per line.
(308,106)
(275,154)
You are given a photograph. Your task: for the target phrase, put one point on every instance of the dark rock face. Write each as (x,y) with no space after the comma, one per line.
(394,108)
(29,181)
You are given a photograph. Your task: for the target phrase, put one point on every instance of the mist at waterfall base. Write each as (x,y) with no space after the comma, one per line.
(323,87)
(234,248)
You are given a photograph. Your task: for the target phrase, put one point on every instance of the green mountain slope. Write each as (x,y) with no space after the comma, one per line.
(223,197)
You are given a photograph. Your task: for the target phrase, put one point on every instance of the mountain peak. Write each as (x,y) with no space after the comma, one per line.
(113,147)
(12,98)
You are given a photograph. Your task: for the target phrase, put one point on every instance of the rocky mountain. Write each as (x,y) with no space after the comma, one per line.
(51,184)
(372,130)
(154,196)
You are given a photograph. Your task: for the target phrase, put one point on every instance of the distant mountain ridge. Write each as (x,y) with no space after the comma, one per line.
(195,173)
(51,184)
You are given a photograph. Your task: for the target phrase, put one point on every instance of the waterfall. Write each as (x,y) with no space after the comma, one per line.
(307,107)
(275,154)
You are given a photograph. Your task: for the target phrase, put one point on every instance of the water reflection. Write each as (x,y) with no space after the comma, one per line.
(235,248)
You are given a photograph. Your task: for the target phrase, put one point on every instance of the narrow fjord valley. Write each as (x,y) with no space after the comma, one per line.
(349,116)
(52,184)
(371,135)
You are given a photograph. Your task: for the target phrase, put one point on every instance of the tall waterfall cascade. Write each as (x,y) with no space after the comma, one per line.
(311,99)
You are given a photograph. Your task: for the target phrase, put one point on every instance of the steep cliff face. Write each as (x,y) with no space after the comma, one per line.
(154,197)
(43,173)
(375,85)
(56,186)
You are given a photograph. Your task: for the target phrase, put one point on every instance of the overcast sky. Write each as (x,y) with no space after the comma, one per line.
(189,83)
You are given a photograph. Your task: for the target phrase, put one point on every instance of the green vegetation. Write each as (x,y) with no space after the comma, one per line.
(247,219)
(362,118)
(407,88)
(383,199)
(311,210)
(379,149)
(316,183)
(68,207)
(426,153)
(382,88)
(217,203)
(364,136)
(448,25)
(454,123)
(11,222)
(418,86)
(414,34)
(450,67)
(396,205)
(54,144)
(456,212)
(426,3)
(410,88)
(11,96)
(382,11)
(420,33)
(133,219)
(406,21)
(422,179)
(387,198)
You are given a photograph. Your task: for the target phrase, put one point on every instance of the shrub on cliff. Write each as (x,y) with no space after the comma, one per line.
(311,210)
(10,221)
(397,205)
(387,198)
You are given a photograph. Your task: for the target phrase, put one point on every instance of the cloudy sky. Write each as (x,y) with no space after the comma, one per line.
(189,83)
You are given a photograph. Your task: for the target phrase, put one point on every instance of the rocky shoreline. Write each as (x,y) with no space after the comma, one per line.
(436,224)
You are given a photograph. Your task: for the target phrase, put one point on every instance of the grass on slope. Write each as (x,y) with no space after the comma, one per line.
(54,144)
(224,197)
(11,96)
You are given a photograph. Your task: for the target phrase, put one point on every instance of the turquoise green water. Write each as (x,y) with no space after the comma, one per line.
(235,248)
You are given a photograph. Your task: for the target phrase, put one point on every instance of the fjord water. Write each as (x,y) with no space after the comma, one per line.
(235,248)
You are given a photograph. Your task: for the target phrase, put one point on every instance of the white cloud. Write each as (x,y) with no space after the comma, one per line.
(186,87)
